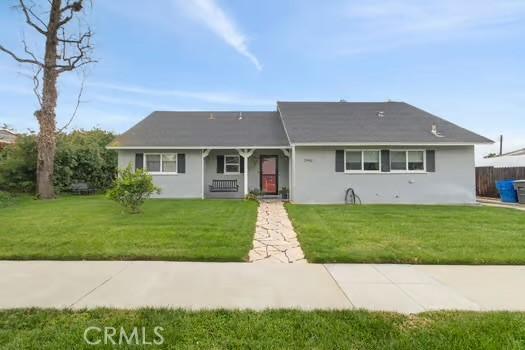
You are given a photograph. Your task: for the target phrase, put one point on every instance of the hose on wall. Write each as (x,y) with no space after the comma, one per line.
(351,197)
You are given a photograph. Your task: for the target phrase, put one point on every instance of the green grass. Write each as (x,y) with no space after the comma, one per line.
(410,234)
(61,330)
(93,227)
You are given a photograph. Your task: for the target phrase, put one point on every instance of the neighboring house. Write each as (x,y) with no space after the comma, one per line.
(507,160)
(388,152)
(6,137)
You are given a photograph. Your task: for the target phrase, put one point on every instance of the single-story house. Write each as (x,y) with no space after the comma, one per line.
(387,152)
(7,137)
(506,160)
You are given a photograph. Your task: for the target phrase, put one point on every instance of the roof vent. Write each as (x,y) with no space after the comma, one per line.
(380,114)
(435,131)
(211,117)
(240,116)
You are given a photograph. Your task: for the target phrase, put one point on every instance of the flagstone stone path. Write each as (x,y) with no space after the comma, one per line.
(275,240)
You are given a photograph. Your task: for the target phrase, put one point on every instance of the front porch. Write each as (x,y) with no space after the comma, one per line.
(234,173)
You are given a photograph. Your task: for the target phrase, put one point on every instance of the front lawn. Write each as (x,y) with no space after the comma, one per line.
(93,227)
(410,234)
(61,330)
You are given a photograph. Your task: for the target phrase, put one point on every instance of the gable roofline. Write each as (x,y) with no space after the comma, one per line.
(283,123)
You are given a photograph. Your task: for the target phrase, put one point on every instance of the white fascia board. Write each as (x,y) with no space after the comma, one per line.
(197,147)
(387,144)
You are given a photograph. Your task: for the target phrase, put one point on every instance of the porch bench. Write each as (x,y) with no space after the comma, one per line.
(224,186)
(81,188)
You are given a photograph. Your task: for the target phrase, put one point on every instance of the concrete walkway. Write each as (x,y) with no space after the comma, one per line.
(275,240)
(493,202)
(402,288)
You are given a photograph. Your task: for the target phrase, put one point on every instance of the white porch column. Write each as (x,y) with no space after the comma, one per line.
(205,153)
(291,173)
(245,153)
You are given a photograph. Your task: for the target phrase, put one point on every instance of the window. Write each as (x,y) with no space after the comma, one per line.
(356,161)
(169,163)
(398,160)
(161,163)
(353,160)
(416,160)
(232,165)
(153,163)
(371,160)
(407,160)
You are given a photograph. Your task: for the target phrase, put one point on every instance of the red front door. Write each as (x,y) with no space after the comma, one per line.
(269,175)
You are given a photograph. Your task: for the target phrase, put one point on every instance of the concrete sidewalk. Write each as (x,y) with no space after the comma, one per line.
(122,284)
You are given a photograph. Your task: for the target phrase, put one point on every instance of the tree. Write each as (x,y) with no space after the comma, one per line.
(64,52)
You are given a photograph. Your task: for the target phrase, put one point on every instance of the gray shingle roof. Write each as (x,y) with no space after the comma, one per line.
(196,129)
(326,122)
(304,122)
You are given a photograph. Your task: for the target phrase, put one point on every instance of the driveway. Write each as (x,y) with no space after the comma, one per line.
(133,284)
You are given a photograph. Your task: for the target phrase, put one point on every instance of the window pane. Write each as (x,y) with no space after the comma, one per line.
(398,160)
(169,163)
(231,159)
(353,160)
(415,160)
(153,162)
(232,168)
(371,160)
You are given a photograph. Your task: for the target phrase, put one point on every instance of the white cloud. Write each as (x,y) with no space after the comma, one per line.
(212,15)
(209,97)
(380,25)
(439,16)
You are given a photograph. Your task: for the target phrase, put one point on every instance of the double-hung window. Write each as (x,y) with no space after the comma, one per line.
(362,161)
(232,165)
(407,161)
(160,163)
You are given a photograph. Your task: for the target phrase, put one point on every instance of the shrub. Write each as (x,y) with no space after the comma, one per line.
(253,195)
(81,156)
(131,189)
(18,165)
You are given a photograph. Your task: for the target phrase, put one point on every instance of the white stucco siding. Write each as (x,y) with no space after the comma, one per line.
(453,182)
(187,185)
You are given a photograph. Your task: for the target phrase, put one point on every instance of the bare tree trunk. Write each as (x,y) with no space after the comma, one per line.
(47,114)
(63,53)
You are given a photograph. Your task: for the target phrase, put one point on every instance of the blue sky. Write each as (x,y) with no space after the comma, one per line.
(461,60)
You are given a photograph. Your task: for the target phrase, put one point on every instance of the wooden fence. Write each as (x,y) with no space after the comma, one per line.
(486,177)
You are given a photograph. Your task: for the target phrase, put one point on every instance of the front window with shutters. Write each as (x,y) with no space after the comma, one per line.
(362,161)
(232,165)
(407,161)
(160,163)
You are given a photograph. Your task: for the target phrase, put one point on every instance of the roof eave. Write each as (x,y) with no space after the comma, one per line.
(196,147)
(389,143)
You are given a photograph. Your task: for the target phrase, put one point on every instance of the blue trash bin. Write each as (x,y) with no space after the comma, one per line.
(506,191)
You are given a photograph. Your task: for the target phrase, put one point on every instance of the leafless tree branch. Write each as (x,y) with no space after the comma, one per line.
(74,114)
(36,85)
(83,46)
(19,59)
(27,13)
(29,52)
